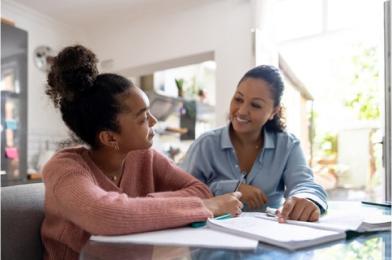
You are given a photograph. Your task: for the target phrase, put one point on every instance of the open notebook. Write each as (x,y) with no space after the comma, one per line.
(341,221)
(245,231)
(298,234)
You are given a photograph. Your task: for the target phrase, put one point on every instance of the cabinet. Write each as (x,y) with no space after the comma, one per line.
(13,105)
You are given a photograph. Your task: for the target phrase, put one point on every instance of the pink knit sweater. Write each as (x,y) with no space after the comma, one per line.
(80,200)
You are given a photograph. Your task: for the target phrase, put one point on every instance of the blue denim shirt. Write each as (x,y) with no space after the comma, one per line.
(280,169)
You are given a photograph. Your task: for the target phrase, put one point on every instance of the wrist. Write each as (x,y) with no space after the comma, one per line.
(322,210)
(209,205)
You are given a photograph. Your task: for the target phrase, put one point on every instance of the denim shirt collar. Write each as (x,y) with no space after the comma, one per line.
(225,138)
(269,142)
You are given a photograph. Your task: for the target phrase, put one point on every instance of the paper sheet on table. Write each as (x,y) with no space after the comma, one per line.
(291,237)
(365,220)
(195,237)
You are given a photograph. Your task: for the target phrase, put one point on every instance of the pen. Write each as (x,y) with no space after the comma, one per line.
(224,216)
(382,204)
(239,183)
(203,223)
(243,176)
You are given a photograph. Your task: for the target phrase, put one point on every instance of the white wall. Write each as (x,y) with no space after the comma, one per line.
(44,122)
(221,26)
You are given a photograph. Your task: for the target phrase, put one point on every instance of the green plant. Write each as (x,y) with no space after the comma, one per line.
(364,101)
(180,86)
(329,144)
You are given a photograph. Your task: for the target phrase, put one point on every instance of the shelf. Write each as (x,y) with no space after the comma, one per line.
(10,94)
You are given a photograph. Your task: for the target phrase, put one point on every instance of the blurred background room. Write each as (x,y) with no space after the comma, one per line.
(188,56)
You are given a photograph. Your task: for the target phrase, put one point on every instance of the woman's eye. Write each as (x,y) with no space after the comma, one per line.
(256,105)
(144,119)
(237,99)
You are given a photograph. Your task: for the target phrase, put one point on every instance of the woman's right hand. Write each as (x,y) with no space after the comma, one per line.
(223,204)
(252,196)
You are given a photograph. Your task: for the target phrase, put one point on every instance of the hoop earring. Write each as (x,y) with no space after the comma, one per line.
(116,147)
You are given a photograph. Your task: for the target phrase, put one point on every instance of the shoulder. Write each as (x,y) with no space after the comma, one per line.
(75,155)
(210,138)
(157,155)
(66,161)
(285,139)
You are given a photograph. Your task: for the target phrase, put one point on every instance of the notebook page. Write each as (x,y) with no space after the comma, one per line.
(340,221)
(197,237)
(272,232)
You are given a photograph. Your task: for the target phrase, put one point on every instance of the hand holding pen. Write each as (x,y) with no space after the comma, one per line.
(251,195)
(243,176)
(223,204)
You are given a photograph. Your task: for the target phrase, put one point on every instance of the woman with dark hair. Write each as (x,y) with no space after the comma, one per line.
(116,184)
(255,155)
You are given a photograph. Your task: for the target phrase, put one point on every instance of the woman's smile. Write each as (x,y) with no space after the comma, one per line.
(242,120)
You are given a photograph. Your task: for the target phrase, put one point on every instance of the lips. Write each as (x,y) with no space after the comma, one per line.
(151,135)
(242,120)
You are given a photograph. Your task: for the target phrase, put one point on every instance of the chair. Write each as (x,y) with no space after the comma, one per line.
(22,212)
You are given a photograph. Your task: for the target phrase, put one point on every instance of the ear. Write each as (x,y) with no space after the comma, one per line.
(275,111)
(108,139)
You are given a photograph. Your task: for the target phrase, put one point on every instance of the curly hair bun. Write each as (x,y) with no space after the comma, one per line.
(73,72)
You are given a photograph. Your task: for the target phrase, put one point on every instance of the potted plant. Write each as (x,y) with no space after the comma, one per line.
(180,87)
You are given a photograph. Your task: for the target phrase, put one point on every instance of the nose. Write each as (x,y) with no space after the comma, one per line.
(151,119)
(243,109)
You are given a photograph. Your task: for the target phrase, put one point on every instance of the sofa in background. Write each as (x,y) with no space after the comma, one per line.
(22,212)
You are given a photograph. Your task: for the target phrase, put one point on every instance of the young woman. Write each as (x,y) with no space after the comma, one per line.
(118,185)
(255,152)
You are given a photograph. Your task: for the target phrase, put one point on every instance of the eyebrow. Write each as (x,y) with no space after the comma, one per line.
(257,98)
(144,109)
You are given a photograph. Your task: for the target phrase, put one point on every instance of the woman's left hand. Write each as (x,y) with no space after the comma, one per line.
(298,209)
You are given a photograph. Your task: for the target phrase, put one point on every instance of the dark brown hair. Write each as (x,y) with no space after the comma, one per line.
(88,101)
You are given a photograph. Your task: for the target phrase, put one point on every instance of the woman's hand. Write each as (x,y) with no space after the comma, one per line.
(223,204)
(252,196)
(298,209)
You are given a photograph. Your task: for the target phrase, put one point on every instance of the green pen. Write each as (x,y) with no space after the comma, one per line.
(224,216)
(203,223)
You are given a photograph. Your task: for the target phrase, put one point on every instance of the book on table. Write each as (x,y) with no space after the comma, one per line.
(295,235)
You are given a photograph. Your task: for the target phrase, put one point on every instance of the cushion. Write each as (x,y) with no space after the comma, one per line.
(22,212)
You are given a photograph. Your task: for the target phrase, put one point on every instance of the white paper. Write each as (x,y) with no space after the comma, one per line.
(284,235)
(196,237)
(340,221)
